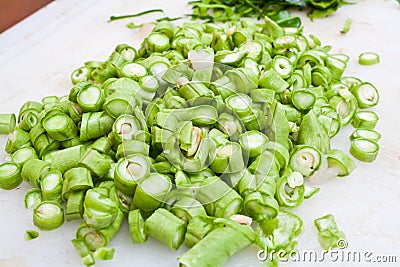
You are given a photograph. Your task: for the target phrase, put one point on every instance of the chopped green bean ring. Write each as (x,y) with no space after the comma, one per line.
(22,155)
(305,159)
(303,99)
(10,175)
(33,171)
(366,95)
(166,228)
(60,126)
(48,215)
(253,143)
(17,139)
(7,123)
(364,149)
(365,119)
(126,126)
(84,252)
(290,190)
(366,134)
(90,98)
(341,161)
(132,70)
(368,58)
(129,171)
(188,208)
(51,186)
(33,197)
(74,208)
(151,192)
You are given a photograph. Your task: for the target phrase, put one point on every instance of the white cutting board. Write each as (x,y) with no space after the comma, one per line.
(38,55)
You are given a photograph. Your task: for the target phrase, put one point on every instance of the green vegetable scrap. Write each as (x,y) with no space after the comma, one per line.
(329,236)
(193,136)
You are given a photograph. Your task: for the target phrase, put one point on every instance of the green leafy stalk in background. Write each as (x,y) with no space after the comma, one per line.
(224,10)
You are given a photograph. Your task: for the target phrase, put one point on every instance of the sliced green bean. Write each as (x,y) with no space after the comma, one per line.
(104,253)
(228,158)
(341,161)
(84,252)
(303,99)
(187,208)
(33,197)
(60,126)
(96,163)
(90,98)
(21,156)
(366,94)
(312,133)
(137,227)
(290,190)
(151,192)
(366,134)
(305,159)
(74,207)
(364,149)
(48,215)
(68,158)
(368,58)
(7,123)
(10,175)
(130,171)
(95,125)
(51,186)
(328,233)
(31,234)
(365,119)
(309,191)
(219,245)
(218,198)
(165,227)
(253,143)
(33,171)
(17,139)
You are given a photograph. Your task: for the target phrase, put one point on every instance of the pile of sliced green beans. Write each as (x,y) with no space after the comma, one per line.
(203,129)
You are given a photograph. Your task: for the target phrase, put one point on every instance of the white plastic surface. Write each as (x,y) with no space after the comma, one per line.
(38,55)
